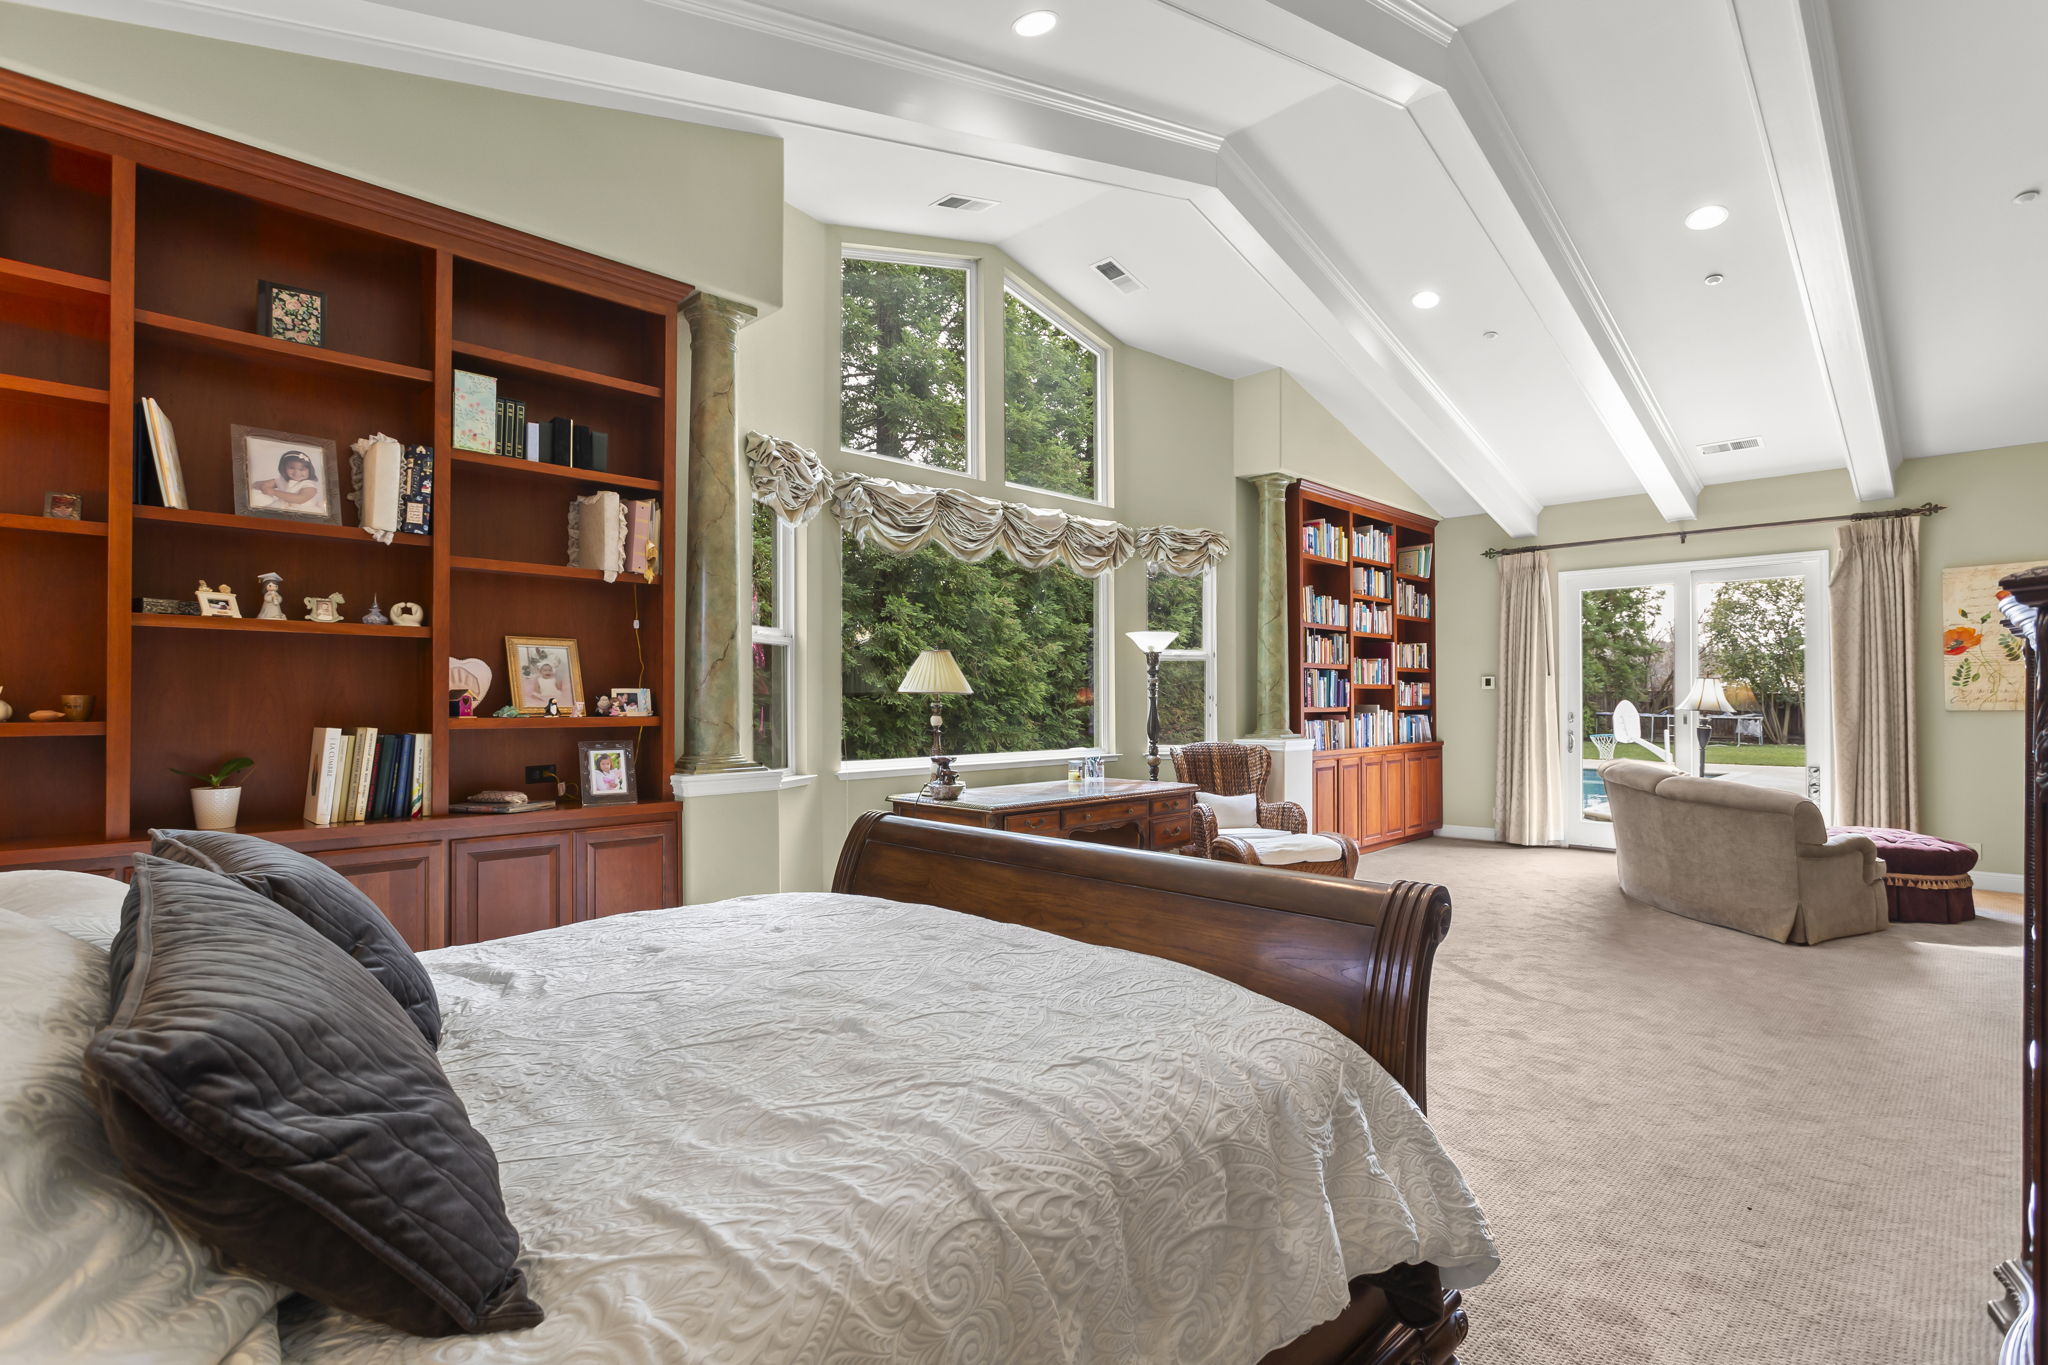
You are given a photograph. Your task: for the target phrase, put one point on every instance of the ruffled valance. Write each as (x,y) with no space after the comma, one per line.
(904,517)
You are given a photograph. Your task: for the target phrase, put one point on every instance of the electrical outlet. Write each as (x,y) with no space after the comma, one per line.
(541,772)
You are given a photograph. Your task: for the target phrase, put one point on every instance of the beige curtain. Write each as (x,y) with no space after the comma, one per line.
(1874,598)
(787,477)
(1527,801)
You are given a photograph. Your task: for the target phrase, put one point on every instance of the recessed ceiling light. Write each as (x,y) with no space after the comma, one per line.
(1489,335)
(1426,299)
(2026,196)
(1706,216)
(1036,24)
(1716,278)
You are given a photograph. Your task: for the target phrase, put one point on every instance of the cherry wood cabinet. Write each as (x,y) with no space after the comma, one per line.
(409,883)
(622,868)
(1380,796)
(509,884)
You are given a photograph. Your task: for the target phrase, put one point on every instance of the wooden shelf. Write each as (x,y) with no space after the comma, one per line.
(249,623)
(1371,635)
(50,388)
(21,521)
(249,343)
(1374,563)
(51,729)
(1308,558)
(472,564)
(548,722)
(1311,626)
(36,281)
(1413,577)
(274,526)
(504,464)
(1326,710)
(1399,617)
(527,364)
(1376,601)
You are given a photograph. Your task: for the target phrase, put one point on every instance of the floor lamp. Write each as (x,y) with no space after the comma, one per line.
(1707,697)
(1152,643)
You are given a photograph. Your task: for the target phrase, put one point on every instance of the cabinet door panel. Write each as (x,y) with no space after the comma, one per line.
(511,884)
(1372,798)
(409,883)
(625,868)
(1328,806)
(1394,800)
(1425,792)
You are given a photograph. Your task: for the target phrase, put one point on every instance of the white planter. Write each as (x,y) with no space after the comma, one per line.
(215,807)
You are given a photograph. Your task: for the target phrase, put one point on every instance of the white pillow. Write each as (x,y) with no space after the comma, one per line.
(82,904)
(1232,812)
(90,1271)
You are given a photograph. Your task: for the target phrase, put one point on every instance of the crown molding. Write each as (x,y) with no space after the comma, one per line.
(1419,17)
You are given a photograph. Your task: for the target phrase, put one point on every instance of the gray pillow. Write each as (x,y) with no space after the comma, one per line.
(277,1104)
(324,899)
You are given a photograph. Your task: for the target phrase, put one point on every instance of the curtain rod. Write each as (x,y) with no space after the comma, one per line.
(1925,509)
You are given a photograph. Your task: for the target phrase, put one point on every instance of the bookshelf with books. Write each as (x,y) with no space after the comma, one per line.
(1362,576)
(137,258)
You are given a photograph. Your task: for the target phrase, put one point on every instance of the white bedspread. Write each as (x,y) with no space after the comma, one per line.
(822,1130)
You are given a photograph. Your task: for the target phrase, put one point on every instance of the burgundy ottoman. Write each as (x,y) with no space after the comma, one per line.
(1926,880)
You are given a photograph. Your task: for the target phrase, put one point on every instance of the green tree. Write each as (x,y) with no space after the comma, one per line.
(1621,647)
(1049,386)
(1174,603)
(764,565)
(1753,632)
(1025,640)
(903,361)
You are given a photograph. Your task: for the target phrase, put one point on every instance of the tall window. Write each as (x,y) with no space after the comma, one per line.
(774,638)
(1025,639)
(1187,671)
(904,390)
(1052,422)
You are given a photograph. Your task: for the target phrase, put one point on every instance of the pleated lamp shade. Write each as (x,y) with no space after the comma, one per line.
(935,671)
(1707,695)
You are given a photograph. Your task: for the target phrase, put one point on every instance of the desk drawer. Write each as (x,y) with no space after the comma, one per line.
(1037,822)
(1172,805)
(1105,814)
(1171,832)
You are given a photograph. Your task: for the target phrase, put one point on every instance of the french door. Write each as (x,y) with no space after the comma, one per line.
(1635,641)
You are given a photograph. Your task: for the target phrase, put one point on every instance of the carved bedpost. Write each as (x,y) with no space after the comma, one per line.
(1393,1022)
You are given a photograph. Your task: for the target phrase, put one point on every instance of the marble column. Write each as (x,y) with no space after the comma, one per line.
(716,636)
(1269,630)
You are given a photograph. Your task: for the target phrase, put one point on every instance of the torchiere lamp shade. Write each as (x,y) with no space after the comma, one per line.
(935,671)
(1707,696)
(1152,641)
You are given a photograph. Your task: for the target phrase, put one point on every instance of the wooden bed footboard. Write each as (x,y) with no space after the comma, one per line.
(1354,954)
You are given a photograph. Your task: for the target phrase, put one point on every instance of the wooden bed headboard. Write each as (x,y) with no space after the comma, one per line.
(1354,954)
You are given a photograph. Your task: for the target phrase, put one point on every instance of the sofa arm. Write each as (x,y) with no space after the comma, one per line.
(1287,815)
(1848,846)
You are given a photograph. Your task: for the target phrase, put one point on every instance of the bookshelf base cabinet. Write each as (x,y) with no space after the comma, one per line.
(1380,796)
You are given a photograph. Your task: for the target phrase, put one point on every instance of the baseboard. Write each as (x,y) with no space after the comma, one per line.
(1482,833)
(1999,881)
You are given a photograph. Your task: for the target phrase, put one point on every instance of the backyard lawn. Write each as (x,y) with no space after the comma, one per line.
(1752,755)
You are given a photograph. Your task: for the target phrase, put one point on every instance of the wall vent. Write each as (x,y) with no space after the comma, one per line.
(963,203)
(1730,447)
(1118,276)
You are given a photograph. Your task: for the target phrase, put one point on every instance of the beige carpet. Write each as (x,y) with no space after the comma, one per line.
(1698,1146)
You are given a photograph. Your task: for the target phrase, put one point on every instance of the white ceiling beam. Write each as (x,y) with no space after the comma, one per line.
(1789,53)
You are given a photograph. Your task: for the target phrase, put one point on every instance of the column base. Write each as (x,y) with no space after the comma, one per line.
(691,765)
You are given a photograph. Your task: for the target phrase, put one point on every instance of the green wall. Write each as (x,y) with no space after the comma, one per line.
(1971,762)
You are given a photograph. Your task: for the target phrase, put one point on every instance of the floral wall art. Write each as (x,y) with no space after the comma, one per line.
(1982,667)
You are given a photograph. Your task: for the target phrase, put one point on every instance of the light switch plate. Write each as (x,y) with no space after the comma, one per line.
(1486,682)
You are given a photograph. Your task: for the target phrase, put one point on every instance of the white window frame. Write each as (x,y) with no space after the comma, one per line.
(1100,348)
(972,365)
(783,634)
(1206,654)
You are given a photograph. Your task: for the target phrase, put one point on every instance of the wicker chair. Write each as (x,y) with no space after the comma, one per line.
(1232,770)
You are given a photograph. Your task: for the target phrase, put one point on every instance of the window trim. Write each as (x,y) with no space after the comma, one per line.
(1207,654)
(977,465)
(1104,354)
(783,634)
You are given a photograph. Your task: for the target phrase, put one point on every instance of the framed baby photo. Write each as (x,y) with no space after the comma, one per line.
(278,474)
(543,669)
(604,769)
(291,314)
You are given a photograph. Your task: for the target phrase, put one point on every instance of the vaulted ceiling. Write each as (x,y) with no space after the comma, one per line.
(1286,176)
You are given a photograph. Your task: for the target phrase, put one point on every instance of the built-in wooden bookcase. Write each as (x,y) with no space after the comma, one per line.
(130,255)
(1362,645)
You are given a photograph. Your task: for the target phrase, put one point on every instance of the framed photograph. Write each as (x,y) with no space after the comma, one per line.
(542,670)
(278,474)
(63,506)
(217,601)
(163,453)
(604,769)
(289,313)
(632,701)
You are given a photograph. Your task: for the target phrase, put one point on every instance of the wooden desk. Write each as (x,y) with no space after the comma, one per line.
(1131,814)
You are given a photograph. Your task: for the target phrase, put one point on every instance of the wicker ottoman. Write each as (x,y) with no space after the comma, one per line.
(1926,880)
(1234,850)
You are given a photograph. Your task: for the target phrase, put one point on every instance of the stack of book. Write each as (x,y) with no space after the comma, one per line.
(1319,610)
(494,425)
(1372,619)
(1412,694)
(394,487)
(1324,687)
(1369,582)
(1415,728)
(1410,600)
(615,535)
(1327,539)
(1327,649)
(1329,734)
(1372,728)
(1374,543)
(359,774)
(1411,656)
(1372,672)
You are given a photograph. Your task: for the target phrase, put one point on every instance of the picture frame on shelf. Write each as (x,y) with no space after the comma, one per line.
(543,670)
(63,506)
(169,473)
(218,601)
(632,701)
(282,474)
(606,772)
(289,313)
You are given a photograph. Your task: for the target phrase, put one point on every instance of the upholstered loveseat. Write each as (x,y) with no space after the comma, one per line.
(1740,856)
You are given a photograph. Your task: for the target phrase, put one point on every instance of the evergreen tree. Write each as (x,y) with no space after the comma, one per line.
(1048,403)
(1174,603)
(903,361)
(1622,645)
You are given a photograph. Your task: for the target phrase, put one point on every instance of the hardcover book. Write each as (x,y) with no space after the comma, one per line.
(416,492)
(476,411)
(561,441)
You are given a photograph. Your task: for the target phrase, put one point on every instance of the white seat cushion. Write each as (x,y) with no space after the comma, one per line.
(1279,846)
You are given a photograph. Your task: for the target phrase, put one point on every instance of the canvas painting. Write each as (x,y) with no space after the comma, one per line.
(1983,668)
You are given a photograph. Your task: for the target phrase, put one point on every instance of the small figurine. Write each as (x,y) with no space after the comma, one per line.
(407,613)
(461,703)
(273,597)
(554,708)
(603,706)
(504,711)
(324,609)
(218,601)
(375,615)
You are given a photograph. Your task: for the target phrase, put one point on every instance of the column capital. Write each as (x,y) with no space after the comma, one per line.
(703,310)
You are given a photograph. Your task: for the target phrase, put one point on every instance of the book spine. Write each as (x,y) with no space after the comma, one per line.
(600,452)
(519,429)
(422,747)
(561,441)
(366,761)
(533,441)
(320,789)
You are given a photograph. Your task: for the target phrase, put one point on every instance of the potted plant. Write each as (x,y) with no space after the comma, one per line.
(216,804)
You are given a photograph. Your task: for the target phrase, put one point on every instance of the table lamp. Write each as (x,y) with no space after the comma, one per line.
(1707,696)
(936,674)
(1152,643)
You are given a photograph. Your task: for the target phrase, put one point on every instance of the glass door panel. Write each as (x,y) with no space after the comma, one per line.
(1751,636)
(1625,660)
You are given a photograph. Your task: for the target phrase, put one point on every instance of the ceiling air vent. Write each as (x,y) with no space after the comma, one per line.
(1118,276)
(964,203)
(1730,447)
